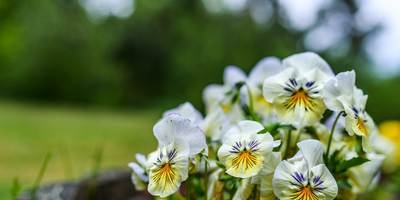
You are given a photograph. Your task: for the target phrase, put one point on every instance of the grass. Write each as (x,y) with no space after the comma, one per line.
(72,136)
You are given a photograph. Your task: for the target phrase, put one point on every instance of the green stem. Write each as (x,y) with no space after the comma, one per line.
(288,141)
(331,134)
(251,104)
(188,188)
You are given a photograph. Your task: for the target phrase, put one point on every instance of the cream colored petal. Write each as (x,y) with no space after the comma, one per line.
(266,67)
(174,127)
(307,61)
(244,191)
(312,151)
(250,127)
(233,75)
(186,110)
(321,178)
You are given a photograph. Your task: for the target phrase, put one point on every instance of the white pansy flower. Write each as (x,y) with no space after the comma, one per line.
(186,110)
(139,175)
(265,68)
(340,94)
(243,150)
(222,96)
(174,126)
(168,168)
(296,90)
(305,176)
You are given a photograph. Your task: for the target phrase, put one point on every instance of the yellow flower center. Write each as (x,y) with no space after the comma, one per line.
(164,174)
(226,107)
(300,98)
(305,193)
(362,127)
(245,159)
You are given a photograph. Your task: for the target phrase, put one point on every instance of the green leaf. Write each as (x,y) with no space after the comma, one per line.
(344,184)
(344,166)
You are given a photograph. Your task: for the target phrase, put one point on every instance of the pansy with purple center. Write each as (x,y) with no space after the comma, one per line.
(243,150)
(295,92)
(305,176)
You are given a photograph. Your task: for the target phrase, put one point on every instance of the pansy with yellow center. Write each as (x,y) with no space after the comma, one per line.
(341,94)
(168,167)
(305,176)
(243,150)
(296,91)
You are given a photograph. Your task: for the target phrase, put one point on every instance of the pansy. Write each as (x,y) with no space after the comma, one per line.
(225,96)
(305,176)
(175,126)
(296,92)
(243,149)
(340,94)
(168,168)
(265,68)
(139,175)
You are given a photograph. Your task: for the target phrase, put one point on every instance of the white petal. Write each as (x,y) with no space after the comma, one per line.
(250,127)
(330,188)
(213,184)
(174,126)
(266,67)
(213,94)
(186,110)
(360,100)
(312,151)
(273,87)
(307,61)
(141,159)
(233,75)
(283,180)
(346,81)
(244,191)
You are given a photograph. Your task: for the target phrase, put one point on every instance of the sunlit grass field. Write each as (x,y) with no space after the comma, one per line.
(72,136)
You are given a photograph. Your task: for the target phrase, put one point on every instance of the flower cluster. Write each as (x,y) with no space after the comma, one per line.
(291,129)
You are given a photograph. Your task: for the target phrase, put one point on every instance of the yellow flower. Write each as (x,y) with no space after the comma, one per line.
(391,131)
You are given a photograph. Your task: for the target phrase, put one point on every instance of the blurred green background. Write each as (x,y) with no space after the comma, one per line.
(79,75)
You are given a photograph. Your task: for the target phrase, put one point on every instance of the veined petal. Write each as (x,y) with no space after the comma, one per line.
(312,151)
(186,110)
(323,183)
(288,178)
(233,75)
(307,61)
(169,169)
(273,86)
(243,150)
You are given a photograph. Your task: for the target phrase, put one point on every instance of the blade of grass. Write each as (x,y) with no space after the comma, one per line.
(15,189)
(40,175)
